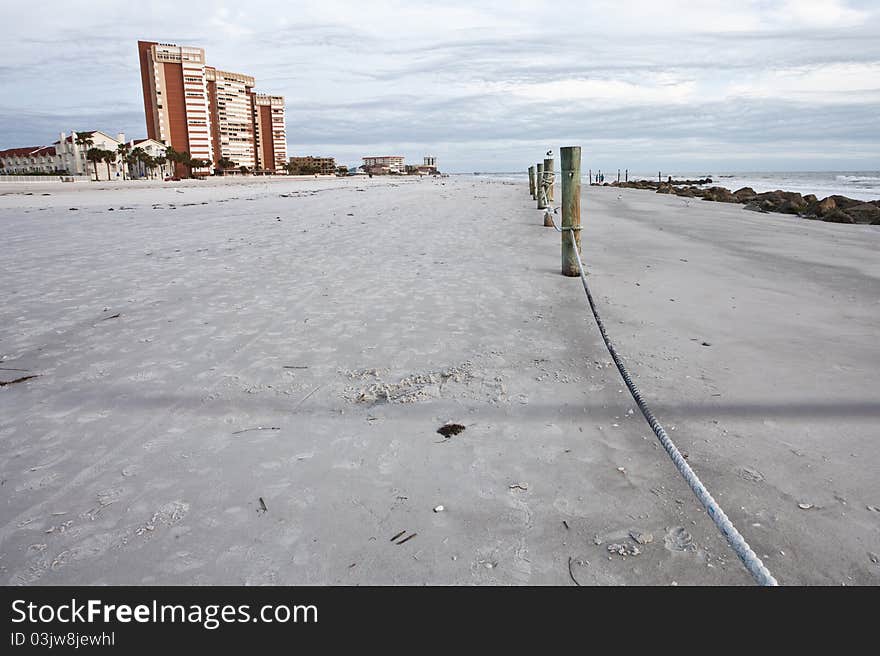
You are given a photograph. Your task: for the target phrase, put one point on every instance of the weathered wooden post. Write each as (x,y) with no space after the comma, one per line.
(590,179)
(532,181)
(627,176)
(539,181)
(571,208)
(548,177)
(618,176)
(659,177)
(548,191)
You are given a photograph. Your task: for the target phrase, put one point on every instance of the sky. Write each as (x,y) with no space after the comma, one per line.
(744,85)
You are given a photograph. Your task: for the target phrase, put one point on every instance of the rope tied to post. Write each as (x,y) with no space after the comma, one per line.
(736,541)
(572,265)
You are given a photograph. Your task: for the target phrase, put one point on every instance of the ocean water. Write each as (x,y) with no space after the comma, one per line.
(861,185)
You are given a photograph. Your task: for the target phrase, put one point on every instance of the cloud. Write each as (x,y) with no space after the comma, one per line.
(479,84)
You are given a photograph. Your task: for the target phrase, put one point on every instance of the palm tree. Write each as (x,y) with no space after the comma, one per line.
(149,163)
(109,157)
(95,155)
(123,149)
(180,157)
(84,139)
(136,156)
(225,163)
(196,163)
(160,162)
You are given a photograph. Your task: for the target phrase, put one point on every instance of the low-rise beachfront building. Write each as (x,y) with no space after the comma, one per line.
(154,150)
(428,167)
(384,165)
(67,156)
(310,165)
(72,150)
(30,160)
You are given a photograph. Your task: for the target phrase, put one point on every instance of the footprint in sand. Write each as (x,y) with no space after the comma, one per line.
(749,474)
(678,539)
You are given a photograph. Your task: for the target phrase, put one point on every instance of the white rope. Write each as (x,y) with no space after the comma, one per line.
(742,549)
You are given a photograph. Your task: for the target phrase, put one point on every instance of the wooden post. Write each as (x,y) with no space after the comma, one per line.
(532,181)
(548,187)
(571,208)
(659,177)
(590,179)
(548,176)
(627,176)
(539,189)
(618,176)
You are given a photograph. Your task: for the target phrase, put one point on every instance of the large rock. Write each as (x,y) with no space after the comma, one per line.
(866,213)
(826,206)
(745,194)
(755,206)
(837,216)
(789,202)
(719,195)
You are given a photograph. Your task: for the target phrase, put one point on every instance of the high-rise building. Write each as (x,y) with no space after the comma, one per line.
(176,97)
(230,96)
(209,113)
(270,133)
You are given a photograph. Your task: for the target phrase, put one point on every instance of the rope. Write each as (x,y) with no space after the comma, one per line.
(756,568)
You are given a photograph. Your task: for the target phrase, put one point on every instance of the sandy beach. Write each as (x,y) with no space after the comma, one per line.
(240,382)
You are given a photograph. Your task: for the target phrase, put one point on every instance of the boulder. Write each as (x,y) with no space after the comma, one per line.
(719,195)
(744,194)
(865,213)
(837,216)
(790,207)
(755,206)
(836,202)
(826,206)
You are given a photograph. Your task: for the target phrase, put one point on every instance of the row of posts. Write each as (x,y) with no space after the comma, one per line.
(541,183)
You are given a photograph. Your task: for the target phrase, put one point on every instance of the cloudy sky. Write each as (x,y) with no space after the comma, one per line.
(486,85)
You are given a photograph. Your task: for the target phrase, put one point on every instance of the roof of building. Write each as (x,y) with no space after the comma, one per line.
(28,151)
(88,133)
(69,137)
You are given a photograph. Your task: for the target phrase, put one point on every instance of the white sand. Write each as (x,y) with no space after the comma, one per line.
(124,461)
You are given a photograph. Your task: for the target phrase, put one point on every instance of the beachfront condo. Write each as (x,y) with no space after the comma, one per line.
(210,113)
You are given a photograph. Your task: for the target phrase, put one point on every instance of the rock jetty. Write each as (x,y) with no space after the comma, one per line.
(835,209)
